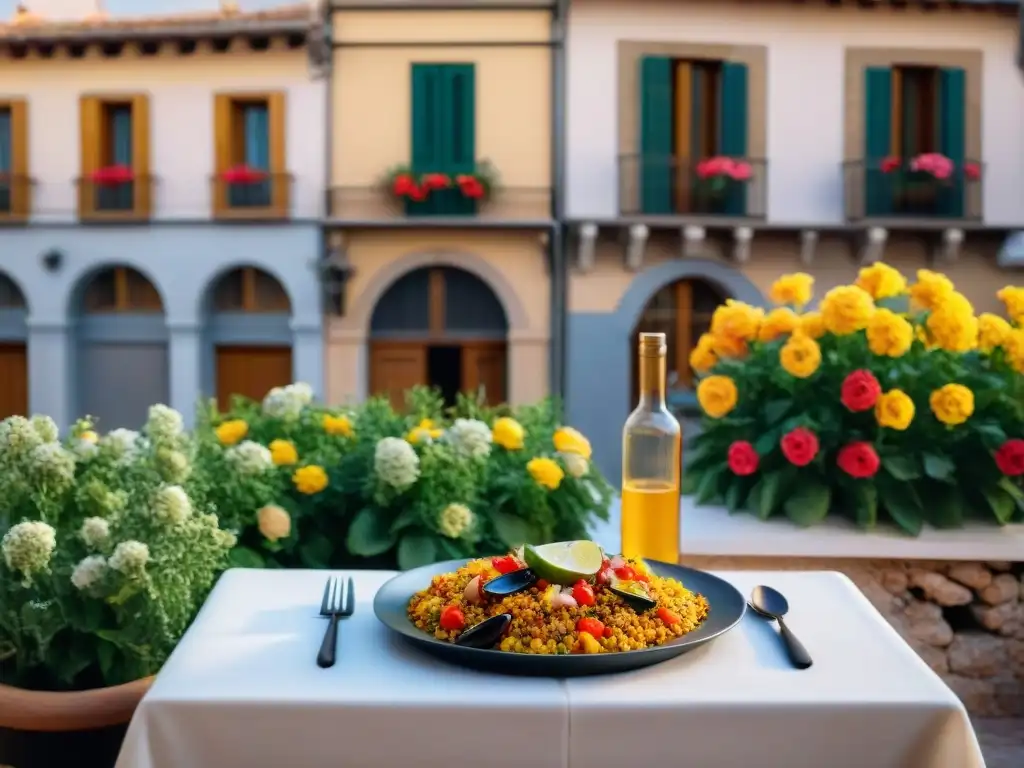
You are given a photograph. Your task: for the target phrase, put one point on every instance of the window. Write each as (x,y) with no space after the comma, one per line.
(691,110)
(915,105)
(14,181)
(443,133)
(251,175)
(121,289)
(11,296)
(250,290)
(115,179)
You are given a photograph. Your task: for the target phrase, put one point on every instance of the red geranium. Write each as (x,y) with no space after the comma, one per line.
(743,459)
(471,187)
(402,185)
(1009,458)
(243,174)
(858,460)
(112,175)
(860,391)
(800,446)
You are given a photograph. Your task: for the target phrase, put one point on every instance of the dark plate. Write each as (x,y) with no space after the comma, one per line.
(726,609)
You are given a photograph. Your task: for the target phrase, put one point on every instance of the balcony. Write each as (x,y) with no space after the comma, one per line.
(718,190)
(244,194)
(15,196)
(115,194)
(928,191)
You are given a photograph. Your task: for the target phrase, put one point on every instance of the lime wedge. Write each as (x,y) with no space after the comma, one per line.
(564,562)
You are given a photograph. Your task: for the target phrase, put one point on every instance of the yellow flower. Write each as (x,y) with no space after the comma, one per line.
(508,433)
(310,480)
(894,409)
(1013,298)
(846,309)
(1014,346)
(881,281)
(736,321)
(952,324)
(794,290)
(930,289)
(545,472)
(812,324)
(779,322)
(717,395)
(800,356)
(89,437)
(231,432)
(273,522)
(889,334)
(283,453)
(337,425)
(569,440)
(728,346)
(424,432)
(703,357)
(952,404)
(992,331)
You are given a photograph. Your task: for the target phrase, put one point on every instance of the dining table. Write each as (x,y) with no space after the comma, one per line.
(243,689)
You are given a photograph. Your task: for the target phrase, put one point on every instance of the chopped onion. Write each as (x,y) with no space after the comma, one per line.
(563,600)
(472,592)
(617,562)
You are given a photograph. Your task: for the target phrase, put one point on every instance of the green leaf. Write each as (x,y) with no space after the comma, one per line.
(1018,495)
(512,530)
(939,467)
(992,435)
(370,533)
(945,506)
(901,467)
(767,442)
(316,551)
(904,506)
(1003,505)
(864,499)
(407,518)
(809,503)
(776,410)
(768,489)
(707,487)
(107,654)
(735,495)
(243,557)
(416,549)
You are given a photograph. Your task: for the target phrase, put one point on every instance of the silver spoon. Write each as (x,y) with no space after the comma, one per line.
(772,604)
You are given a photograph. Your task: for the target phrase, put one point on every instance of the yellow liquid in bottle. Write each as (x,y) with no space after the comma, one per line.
(650,520)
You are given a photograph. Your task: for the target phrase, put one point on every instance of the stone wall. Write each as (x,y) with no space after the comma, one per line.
(966,620)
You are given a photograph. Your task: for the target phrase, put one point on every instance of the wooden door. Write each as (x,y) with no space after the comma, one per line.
(13,380)
(251,372)
(484,364)
(396,367)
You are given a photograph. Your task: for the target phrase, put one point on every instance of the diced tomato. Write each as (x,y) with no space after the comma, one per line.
(604,576)
(541,584)
(608,632)
(667,616)
(452,618)
(626,573)
(583,593)
(591,626)
(605,563)
(643,577)
(505,564)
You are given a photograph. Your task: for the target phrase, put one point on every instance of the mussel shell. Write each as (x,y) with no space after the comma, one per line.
(510,583)
(486,633)
(637,602)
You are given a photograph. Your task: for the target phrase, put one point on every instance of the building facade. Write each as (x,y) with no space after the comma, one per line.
(441,210)
(711,147)
(160,191)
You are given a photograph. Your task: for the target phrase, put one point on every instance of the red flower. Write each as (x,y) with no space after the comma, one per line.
(402,185)
(972,171)
(800,446)
(417,192)
(471,187)
(112,175)
(860,391)
(858,460)
(243,174)
(1010,458)
(743,459)
(431,181)
(890,164)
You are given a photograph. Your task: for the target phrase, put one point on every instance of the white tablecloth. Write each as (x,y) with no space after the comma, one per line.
(242,690)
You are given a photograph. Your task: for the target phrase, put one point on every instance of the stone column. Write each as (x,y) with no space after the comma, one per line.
(308,355)
(49,376)
(184,358)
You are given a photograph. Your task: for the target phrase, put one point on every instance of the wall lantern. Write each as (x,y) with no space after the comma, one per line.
(335,272)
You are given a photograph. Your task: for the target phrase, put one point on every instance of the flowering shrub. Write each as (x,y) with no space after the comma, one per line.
(402,184)
(931,166)
(890,400)
(304,485)
(105,556)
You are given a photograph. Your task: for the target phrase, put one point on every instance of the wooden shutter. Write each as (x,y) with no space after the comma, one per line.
(953,136)
(140,156)
(877,140)
(280,183)
(484,365)
(685,156)
(222,149)
(90,119)
(251,372)
(732,128)
(396,367)
(21,187)
(655,162)
(13,380)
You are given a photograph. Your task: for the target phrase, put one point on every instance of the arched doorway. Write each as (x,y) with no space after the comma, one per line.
(442,327)
(121,352)
(682,311)
(13,350)
(250,334)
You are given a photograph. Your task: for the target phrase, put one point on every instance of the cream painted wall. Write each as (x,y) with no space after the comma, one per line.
(805,93)
(372,97)
(181,94)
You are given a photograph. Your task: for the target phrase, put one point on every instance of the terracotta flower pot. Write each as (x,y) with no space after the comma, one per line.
(42,729)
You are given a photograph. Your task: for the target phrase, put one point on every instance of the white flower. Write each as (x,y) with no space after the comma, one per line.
(84,449)
(122,444)
(171,505)
(28,547)
(17,436)
(288,402)
(577,466)
(52,463)
(396,463)
(95,532)
(174,466)
(46,428)
(455,520)
(89,571)
(249,458)
(470,438)
(130,558)
(164,423)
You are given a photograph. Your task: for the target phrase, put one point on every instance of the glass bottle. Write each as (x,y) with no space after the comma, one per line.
(651,459)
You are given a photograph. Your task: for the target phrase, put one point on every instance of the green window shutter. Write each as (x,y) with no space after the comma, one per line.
(426,108)
(732,130)
(953,136)
(655,161)
(458,89)
(877,140)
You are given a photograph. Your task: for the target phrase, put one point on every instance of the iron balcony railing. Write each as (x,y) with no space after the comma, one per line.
(934,189)
(375,204)
(251,195)
(712,187)
(15,195)
(116,197)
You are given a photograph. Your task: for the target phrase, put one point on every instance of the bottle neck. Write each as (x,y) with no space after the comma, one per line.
(652,381)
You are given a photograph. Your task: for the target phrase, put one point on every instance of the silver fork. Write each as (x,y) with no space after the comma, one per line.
(339,603)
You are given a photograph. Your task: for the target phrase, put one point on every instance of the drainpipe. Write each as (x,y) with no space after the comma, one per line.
(1020,38)
(557,240)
